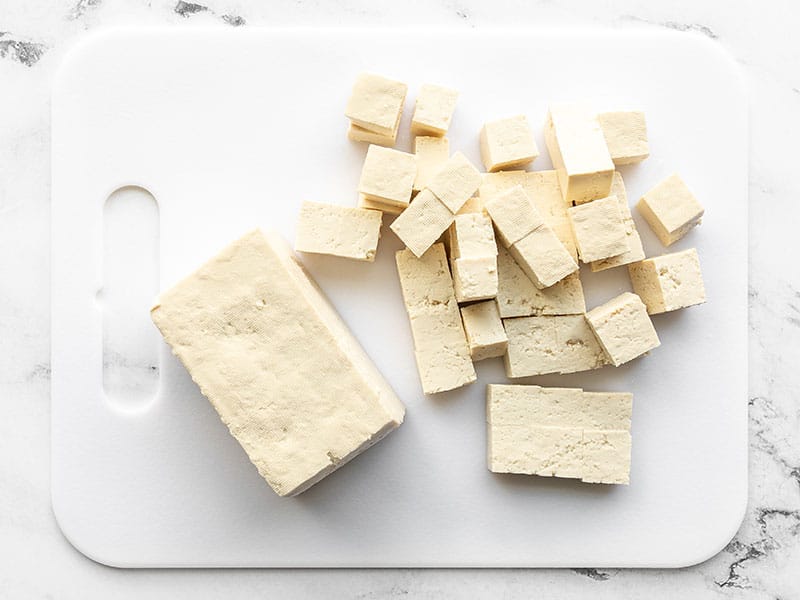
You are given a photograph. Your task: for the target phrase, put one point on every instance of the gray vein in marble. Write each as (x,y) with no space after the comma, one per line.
(676,25)
(595,574)
(26,53)
(234,20)
(187,9)
(81,7)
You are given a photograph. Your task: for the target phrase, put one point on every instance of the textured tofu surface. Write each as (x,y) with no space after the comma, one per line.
(475,278)
(359,134)
(431,153)
(669,282)
(338,230)
(383,207)
(455,182)
(484,328)
(433,110)
(599,229)
(472,236)
(635,250)
(388,175)
(376,103)
(278,364)
(513,214)
(543,257)
(623,328)
(422,223)
(670,209)
(507,143)
(626,136)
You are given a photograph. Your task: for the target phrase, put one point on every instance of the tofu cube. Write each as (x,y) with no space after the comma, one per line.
(422,223)
(485,333)
(388,176)
(359,134)
(626,136)
(670,209)
(433,110)
(543,257)
(431,153)
(636,251)
(338,230)
(669,282)
(455,182)
(507,143)
(472,236)
(475,278)
(579,152)
(513,215)
(599,229)
(383,207)
(277,363)
(376,104)
(623,328)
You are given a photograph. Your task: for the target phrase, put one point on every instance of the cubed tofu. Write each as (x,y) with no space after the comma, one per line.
(455,182)
(472,236)
(670,209)
(376,103)
(599,229)
(485,333)
(383,207)
(517,296)
(507,143)
(431,153)
(579,152)
(473,205)
(551,344)
(623,328)
(513,214)
(338,230)
(276,361)
(636,251)
(388,176)
(626,136)
(669,282)
(359,134)
(422,223)
(475,278)
(433,110)
(543,257)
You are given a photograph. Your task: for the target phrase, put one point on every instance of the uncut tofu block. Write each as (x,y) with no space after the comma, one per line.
(485,333)
(623,328)
(517,296)
(359,134)
(431,153)
(507,143)
(422,223)
(475,278)
(599,229)
(551,344)
(440,343)
(433,110)
(626,136)
(455,182)
(338,230)
(561,432)
(388,176)
(276,361)
(670,209)
(636,251)
(543,257)
(669,282)
(579,152)
(376,104)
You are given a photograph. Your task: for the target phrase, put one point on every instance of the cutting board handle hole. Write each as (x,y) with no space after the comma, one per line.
(131,343)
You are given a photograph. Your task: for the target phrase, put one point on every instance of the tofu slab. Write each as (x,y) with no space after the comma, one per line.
(338,230)
(276,361)
(635,250)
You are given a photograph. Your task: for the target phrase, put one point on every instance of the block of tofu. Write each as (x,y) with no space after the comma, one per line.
(669,282)
(623,328)
(485,333)
(579,152)
(276,361)
(440,343)
(388,176)
(472,236)
(599,229)
(376,103)
(338,230)
(455,182)
(431,153)
(513,214)
(507,143)
(383,207)
(517,296)
(475,278)
(636,251)
(359,134)
(670,209)
(562,432)
(543,257)
(551,344)
(433,110)
(421,224)
(626,136)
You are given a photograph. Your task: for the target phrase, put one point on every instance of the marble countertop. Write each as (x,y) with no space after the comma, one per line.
(763,560)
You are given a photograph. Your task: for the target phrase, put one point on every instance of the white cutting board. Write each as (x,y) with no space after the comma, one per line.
(232,129)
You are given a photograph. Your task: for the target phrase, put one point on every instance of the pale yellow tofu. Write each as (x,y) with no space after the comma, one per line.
(599,229)
(670,209)
(359,134)
(388,176)
(455,182)
(484,328)
(472,236)
(543,257)
(507,143)
(626,136)
(623,328)
(669,282)
(475,278)
(636,251)
(431,153)
(376,103)
(433,110)
(421,224)
(513,214)
(606,457)
(338,230)
(383,207)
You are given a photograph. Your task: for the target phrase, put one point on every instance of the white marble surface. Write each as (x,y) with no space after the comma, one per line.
(763,561)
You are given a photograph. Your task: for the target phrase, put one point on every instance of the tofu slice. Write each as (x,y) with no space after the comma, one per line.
(338,230)
(433,110)
(422,223)
(599,229)
(475,278)
(276,361)
(626,136)
(359,134)
(507,143)
(669,282)
(431,153)
(376,104)
(455,182)
(671,210)
(635,252)
(623,328)
(388,176)
(485,333)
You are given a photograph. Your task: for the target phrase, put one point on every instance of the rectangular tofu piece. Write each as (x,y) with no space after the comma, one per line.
(431,153)
(532,450)
(542,345)
(276,361)
(455,182)
(485,333)
(388,176)
(606,457)
(671,210)
(669,282)
(513,214)
(433,110)
(338,230)
(472,236)
(579,152)
(626,136)
(507,143)
(623,328)
(635,250)
(359,134)
(517,296)
(422,223)
(543,257)
(383,207)
(376,104)
(440,343)
(475,278)
(599,229)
